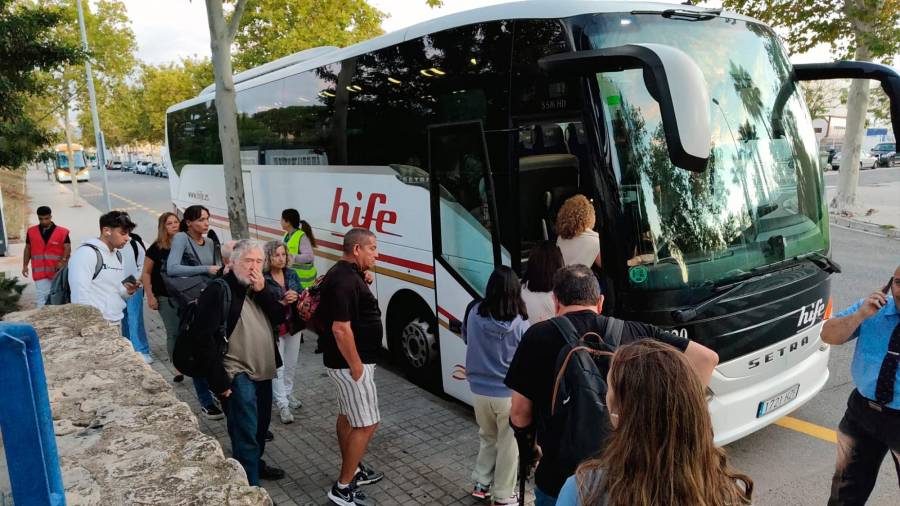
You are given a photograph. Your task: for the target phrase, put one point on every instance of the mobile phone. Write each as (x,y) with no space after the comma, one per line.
(130,280)
(887,287)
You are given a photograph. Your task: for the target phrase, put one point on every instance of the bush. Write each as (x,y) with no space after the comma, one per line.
(10,293)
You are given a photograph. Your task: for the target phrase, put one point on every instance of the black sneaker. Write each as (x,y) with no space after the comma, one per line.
(267,472)
(212,412)
(349,496)
(269,436)
(365,475)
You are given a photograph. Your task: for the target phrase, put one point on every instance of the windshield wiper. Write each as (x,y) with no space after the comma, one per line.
(816,258)
(685,14)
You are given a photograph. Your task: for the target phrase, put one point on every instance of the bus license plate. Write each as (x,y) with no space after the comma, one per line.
(769,405)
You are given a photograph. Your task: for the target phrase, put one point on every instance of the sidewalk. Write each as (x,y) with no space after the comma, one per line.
(426,445)
(882,201)
(82,222)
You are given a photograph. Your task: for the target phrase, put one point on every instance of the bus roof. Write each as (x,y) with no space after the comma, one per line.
(61,148)
(532,9)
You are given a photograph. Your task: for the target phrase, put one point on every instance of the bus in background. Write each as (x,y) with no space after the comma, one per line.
(456,141)
(61,165)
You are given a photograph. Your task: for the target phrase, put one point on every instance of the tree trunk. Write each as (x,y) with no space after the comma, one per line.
(226,108)
(857,106)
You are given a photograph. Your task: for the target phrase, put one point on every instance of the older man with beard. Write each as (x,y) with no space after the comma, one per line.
(240,365)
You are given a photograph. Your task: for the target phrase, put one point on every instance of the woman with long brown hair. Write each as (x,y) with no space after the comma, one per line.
(157,295)
(661,449)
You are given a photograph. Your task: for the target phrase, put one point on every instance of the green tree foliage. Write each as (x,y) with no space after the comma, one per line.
(137,111)
(842,25)
(10,293)
(820,97)
(29,44)
(112,46)
(271,29)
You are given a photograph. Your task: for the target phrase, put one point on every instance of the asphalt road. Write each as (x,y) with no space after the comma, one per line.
(788,467)
(877,176)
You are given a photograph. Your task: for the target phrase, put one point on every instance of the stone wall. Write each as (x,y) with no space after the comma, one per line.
(123,436)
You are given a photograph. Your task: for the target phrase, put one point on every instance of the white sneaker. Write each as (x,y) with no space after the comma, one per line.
(286,415)
(294,403)
(147,358)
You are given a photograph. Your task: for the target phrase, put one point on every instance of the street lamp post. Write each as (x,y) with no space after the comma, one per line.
(101,155)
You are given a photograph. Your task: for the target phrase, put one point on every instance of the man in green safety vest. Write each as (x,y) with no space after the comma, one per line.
(299,240)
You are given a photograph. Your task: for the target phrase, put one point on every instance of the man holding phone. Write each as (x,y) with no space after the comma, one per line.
(105,290)
(871,425)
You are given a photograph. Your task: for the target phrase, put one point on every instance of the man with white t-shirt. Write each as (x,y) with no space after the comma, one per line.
(106,291)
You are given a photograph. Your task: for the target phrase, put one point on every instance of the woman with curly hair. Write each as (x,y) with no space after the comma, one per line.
(660,449)
(575,229)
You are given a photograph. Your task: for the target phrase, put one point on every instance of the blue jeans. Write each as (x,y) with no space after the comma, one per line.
(248,411)
(201,387)
(133,323)
(542,499)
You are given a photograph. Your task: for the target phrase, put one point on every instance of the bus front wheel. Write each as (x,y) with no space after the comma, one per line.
(412,340)
(418,344)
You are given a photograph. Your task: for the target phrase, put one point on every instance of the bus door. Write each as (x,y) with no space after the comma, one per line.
(465,234)
(551,155)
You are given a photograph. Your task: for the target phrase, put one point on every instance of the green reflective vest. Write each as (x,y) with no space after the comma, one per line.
(306,272)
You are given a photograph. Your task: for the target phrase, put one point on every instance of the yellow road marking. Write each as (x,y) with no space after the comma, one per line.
(136,205)
(810,429)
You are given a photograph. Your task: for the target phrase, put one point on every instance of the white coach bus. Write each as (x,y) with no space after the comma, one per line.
(456,140)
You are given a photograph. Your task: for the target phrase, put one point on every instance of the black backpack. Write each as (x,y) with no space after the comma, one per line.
(135,240)
(60,291)
(578,412)
(186,289)
(185,356)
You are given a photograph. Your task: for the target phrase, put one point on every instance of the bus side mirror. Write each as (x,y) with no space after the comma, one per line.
(673,79)
(889,78)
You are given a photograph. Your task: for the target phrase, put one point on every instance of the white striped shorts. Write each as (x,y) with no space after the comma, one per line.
(357,400)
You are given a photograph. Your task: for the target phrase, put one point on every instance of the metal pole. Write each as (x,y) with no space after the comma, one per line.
(101,156)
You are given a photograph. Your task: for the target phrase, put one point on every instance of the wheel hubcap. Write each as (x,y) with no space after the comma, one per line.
(417,343)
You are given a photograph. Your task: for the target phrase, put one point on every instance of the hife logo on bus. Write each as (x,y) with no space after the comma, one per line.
(363,219)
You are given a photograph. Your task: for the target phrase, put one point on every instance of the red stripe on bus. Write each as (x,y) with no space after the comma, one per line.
(402,262)
(447,314)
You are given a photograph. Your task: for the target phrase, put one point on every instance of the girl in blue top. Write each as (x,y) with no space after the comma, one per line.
(493,330)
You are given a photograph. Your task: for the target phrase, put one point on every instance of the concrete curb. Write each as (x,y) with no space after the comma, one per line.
(864,226)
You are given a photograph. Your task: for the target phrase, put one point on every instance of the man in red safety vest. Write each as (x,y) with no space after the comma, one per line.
(47,247)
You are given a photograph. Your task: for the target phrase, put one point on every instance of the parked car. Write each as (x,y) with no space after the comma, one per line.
(866,160)
(886,153)
(115,165)
(152,169)
(142,167)
(162,171)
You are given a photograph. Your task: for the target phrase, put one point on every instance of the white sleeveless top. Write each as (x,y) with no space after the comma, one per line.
(581,249)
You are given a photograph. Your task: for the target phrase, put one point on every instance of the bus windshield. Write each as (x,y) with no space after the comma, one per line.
(759,200)
(62,160)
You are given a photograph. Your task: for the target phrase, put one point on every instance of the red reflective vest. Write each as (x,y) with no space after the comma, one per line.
(45,257)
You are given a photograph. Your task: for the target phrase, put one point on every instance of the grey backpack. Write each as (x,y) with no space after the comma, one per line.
(60,291)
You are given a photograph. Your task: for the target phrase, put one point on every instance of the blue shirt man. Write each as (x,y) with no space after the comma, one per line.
(871,425)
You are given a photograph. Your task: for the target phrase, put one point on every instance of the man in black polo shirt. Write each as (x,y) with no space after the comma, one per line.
(533,371)
(350,344)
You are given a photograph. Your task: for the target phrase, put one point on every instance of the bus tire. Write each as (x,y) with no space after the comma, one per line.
(412,339)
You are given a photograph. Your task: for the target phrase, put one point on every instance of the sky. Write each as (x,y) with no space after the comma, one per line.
(169,30)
